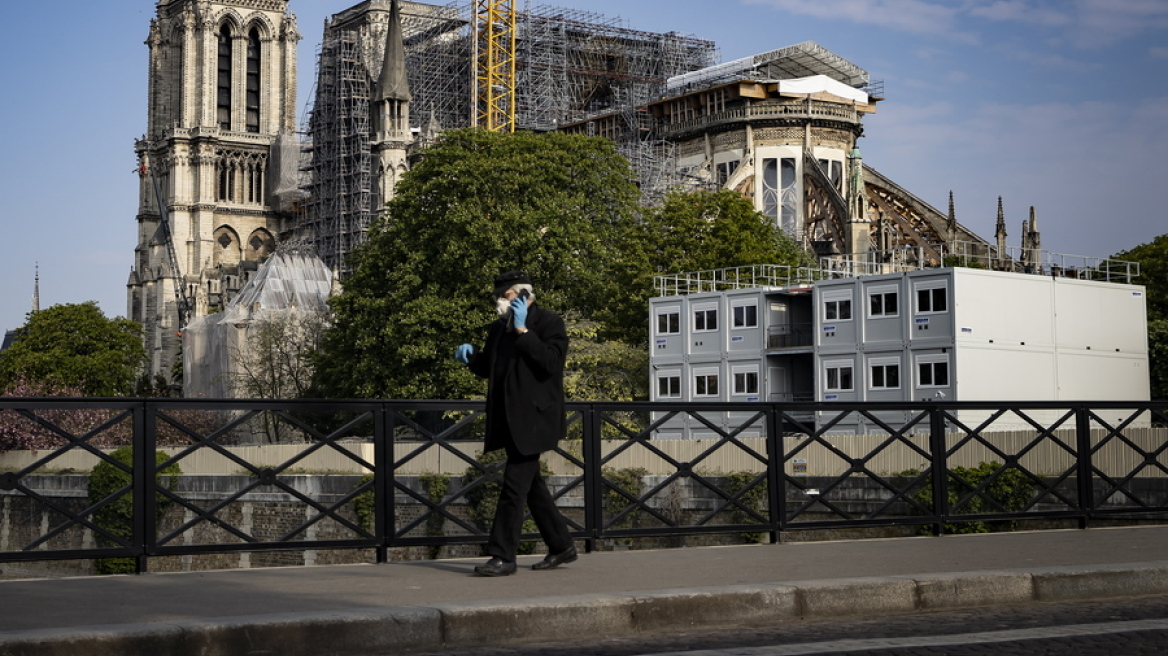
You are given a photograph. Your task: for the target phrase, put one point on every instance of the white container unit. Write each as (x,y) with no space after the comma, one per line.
(979,335)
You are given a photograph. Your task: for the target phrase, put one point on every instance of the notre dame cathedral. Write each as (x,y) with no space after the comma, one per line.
(222,88)
(226,178)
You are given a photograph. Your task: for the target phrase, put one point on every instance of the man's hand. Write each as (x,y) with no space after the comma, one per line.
(519,311)
(463,353)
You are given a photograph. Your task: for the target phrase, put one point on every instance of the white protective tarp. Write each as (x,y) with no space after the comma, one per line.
(284,173)
(822,84)
(291,284)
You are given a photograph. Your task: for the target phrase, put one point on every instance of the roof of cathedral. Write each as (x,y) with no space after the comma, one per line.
(291,278)
(392,83)
(800,60)
(9,337)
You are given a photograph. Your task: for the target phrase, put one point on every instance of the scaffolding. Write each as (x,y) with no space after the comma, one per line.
(570,65)
(341,188)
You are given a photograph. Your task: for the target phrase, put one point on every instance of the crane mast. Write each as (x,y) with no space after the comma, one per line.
(493,105)
(182,301)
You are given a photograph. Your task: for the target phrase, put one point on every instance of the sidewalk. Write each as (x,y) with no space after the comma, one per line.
(379,609)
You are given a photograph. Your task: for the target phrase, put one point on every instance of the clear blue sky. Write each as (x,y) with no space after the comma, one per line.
(1060,104)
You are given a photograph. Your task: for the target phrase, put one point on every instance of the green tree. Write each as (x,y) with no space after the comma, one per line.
(1153,260)
(476,204)
(117,514)
(603,370)
(76,346)
(695,231)
(1158,358)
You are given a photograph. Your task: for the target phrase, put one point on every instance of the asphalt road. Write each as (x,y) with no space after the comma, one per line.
(1129,627)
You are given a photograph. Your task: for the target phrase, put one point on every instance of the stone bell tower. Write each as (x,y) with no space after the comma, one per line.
(222,87)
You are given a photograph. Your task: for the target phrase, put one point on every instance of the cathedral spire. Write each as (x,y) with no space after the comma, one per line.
(951,226)
(36,289)
(392,84)
(1000,234)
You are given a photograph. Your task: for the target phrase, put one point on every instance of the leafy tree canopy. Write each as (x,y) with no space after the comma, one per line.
(1158,358)
(695,231)
(1153,259)
(476,204)
(76,346)
(561,207)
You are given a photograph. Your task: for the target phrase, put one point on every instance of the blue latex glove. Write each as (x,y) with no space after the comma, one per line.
(463,353)
(519,312)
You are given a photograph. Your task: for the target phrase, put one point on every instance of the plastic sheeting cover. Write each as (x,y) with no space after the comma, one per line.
(290,284)
(285,185)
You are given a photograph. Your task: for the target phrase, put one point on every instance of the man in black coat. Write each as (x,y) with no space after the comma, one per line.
(523,362)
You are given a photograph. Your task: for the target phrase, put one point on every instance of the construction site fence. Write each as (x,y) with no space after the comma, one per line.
(223,476)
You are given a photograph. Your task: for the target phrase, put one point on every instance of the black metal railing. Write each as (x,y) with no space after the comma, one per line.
(208,477)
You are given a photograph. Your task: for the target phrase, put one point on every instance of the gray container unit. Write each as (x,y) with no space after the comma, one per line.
(667,327)
(746,320)
(883,321)
(836,311)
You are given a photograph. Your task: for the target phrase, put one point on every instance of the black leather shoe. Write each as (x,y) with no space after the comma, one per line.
(496,567)
(552,561)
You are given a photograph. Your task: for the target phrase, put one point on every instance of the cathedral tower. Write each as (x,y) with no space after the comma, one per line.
(391,114)
(222,86)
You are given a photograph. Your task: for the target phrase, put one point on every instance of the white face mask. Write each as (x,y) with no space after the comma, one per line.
(503,307)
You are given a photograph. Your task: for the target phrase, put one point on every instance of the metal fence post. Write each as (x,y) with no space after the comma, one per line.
(593,476)
(144,493)
(940,466)
(776,481)
(1084,464)
(384,505)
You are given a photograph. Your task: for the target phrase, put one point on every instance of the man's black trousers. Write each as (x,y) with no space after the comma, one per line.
(523,485)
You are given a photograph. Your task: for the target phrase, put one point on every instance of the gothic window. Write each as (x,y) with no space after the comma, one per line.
(228,173)
(790,194)
(221,186)
(770,187)
(223,96)
(226,246)
(780,191)
(253,81)
(260,245)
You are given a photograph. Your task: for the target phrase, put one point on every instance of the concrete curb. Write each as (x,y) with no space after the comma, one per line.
(390,630)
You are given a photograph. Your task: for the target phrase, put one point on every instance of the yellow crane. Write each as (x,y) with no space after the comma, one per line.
(495,39)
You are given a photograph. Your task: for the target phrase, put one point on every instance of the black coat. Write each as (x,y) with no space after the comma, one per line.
(532,387)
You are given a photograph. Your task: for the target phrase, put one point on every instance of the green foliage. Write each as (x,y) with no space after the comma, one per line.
(436,486)
(694,231)
(117,516)
(629,479)
(1158,358)
(1010,492)
(561,207)
(364,505)
(476,204)
(752,499)
(1153,259)
(75,345)
(482,500)
(603,370)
